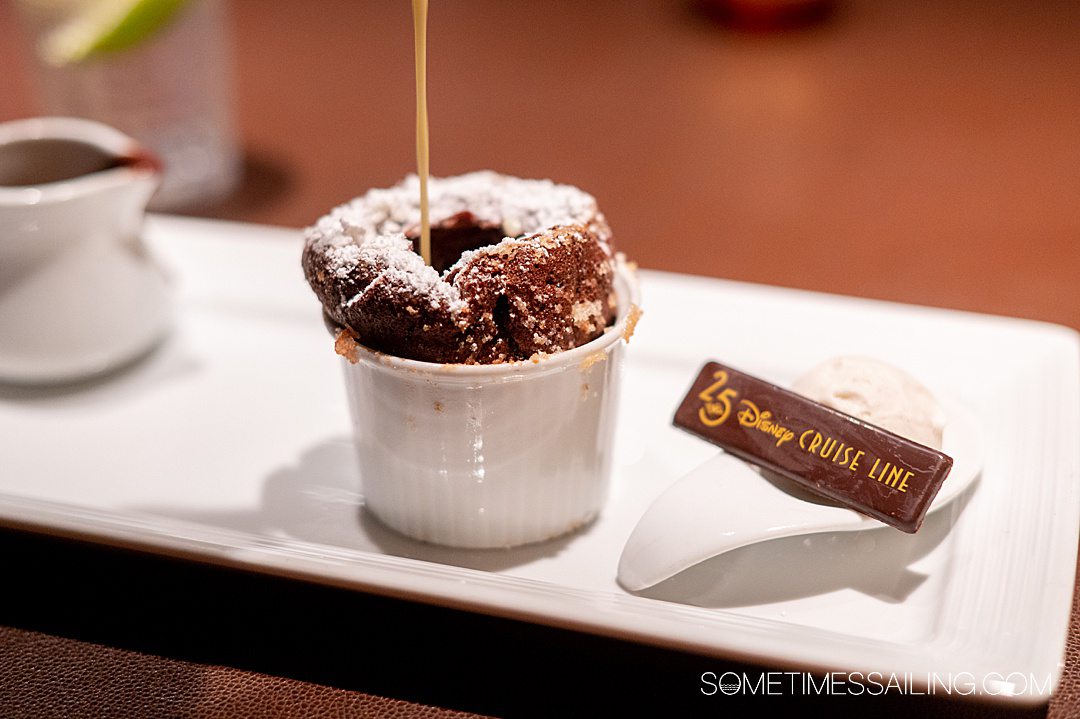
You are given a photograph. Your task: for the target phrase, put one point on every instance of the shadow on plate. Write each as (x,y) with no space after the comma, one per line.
(317,500)
(161,364)
(876,562)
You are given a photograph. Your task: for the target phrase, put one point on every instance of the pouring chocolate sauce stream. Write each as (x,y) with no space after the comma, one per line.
(420,8)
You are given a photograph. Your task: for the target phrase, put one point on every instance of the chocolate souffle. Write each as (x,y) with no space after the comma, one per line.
(520,268)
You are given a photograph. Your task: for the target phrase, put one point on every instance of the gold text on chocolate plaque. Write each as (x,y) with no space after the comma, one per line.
(718,400)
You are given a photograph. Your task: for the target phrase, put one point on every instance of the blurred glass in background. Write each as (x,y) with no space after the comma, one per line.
(158,70)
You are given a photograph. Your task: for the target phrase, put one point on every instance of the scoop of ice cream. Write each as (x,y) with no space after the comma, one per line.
(877,393)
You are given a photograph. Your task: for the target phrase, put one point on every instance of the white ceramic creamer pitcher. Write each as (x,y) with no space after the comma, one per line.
(79,295)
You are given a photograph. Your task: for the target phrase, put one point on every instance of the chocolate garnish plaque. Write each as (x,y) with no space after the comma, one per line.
(865,467)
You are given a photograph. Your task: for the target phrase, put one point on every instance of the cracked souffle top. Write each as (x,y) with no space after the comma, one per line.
(520,268)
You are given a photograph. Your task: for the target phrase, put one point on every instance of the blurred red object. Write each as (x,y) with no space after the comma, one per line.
(767,14)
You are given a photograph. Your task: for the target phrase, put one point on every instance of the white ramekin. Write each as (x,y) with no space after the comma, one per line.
(490,455)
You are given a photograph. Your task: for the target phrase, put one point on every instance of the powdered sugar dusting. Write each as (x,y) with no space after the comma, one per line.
(370,230)
(546,286)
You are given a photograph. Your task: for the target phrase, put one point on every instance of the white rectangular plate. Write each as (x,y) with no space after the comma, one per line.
(229,444)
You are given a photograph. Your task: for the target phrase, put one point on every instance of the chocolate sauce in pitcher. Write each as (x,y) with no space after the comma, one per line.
(27,163)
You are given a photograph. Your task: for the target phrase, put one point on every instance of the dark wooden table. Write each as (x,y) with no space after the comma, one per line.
(920,151)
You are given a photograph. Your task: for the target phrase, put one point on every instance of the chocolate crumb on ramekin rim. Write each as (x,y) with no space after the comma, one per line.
(519,268)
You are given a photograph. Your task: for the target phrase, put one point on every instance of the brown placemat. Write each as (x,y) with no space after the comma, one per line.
(73,602)
(47,676)
(1065,703)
